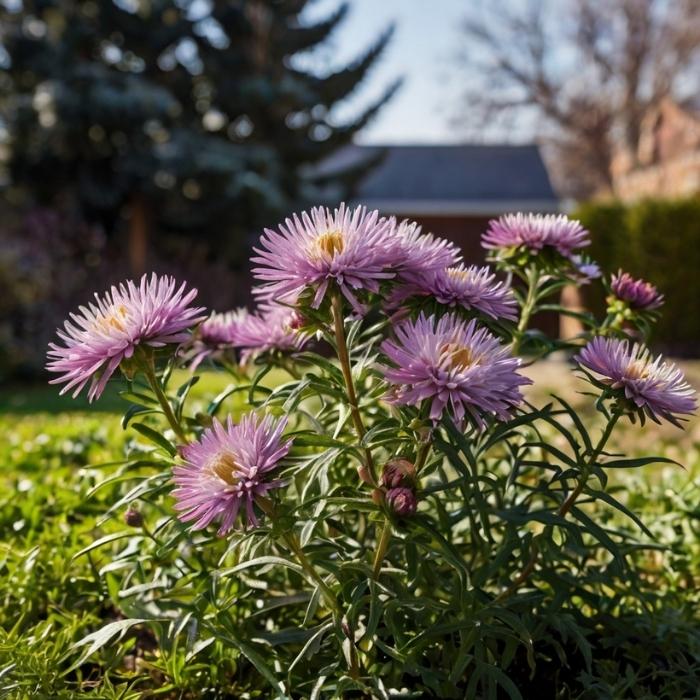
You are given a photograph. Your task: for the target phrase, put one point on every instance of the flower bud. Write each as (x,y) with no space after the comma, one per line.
(364,474)
(377,497)
(402,501)
(398,472)
(133,517)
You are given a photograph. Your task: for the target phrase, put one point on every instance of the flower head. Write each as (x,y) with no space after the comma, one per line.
(398,472)
(133,517)
(418,252)
(637,294)
(216,334)
(97,339)
(402,501)
(535,232)
(472,288)
(227,469)
(584,270)
(353,249)
(454,364)
(650,385)
(274,327)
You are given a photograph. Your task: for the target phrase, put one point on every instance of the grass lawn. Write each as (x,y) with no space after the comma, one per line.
(20,402)
(60,493)
(23,399)
(555,377)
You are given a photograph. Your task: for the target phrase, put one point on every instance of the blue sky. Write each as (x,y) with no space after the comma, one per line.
(423,51)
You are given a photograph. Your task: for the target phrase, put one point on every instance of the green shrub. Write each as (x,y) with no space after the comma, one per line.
(658,240)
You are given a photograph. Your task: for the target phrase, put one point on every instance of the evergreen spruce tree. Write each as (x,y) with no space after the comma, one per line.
(188,117)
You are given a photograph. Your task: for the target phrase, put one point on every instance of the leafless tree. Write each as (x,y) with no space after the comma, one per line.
(577,74)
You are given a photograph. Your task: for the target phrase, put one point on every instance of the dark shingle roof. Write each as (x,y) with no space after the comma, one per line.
(451,177)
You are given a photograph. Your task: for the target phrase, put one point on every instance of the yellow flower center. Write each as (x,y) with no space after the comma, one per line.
(639,369)
(457,274)
(225,468)
(458,356)
(115,319)
(326,245)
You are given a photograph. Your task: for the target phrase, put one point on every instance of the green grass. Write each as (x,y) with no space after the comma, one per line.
(24,399)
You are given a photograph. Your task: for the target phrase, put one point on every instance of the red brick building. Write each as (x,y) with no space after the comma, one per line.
(667,162)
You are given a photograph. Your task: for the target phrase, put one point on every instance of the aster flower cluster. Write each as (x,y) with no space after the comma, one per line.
(553,242)
(227,469)
(635,294)
(536,233)
(351,249)
(452,364)
(355,252)
(646,385)
(104,334)
(470,288)
(397,454)
(440,357)
(271,328)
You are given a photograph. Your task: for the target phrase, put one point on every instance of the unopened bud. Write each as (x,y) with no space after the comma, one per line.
(402,501)
(133,517)
(364,474)
(398,472)
(377,497)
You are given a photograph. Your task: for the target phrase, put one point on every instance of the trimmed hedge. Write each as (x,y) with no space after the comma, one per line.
(658,240)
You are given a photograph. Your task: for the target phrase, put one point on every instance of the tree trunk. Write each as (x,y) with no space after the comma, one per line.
(572,300)
(139,229)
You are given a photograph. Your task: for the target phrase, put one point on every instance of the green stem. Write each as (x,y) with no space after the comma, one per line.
(150,372)
(330,598)
(569,502)
(422,456)
(562,511)
(344,358)
(286,364)
(528,309)
(382,547)
(294,544)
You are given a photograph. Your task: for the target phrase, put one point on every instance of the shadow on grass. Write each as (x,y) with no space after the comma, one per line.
(41,397)
(23,399)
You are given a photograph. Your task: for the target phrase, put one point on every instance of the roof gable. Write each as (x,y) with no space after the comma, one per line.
(461,178)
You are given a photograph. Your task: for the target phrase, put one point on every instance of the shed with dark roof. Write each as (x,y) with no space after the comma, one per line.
(452,190)
(449,180)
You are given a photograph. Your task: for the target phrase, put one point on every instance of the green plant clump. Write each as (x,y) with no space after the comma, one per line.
(376,504)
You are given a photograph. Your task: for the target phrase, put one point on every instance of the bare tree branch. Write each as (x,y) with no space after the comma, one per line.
(590,70)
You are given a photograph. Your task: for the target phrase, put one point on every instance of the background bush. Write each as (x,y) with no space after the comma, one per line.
(658,240)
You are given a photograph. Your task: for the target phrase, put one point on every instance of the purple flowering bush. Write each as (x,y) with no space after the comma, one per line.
(389,517)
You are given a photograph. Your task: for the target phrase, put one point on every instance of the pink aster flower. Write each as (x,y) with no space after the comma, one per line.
(472,288)
(274,327)
(353,249)
(536,232)
(454,364)
(97,339)
(637,294)
(651,385)
(419,252)
(227,469)
(215,335)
